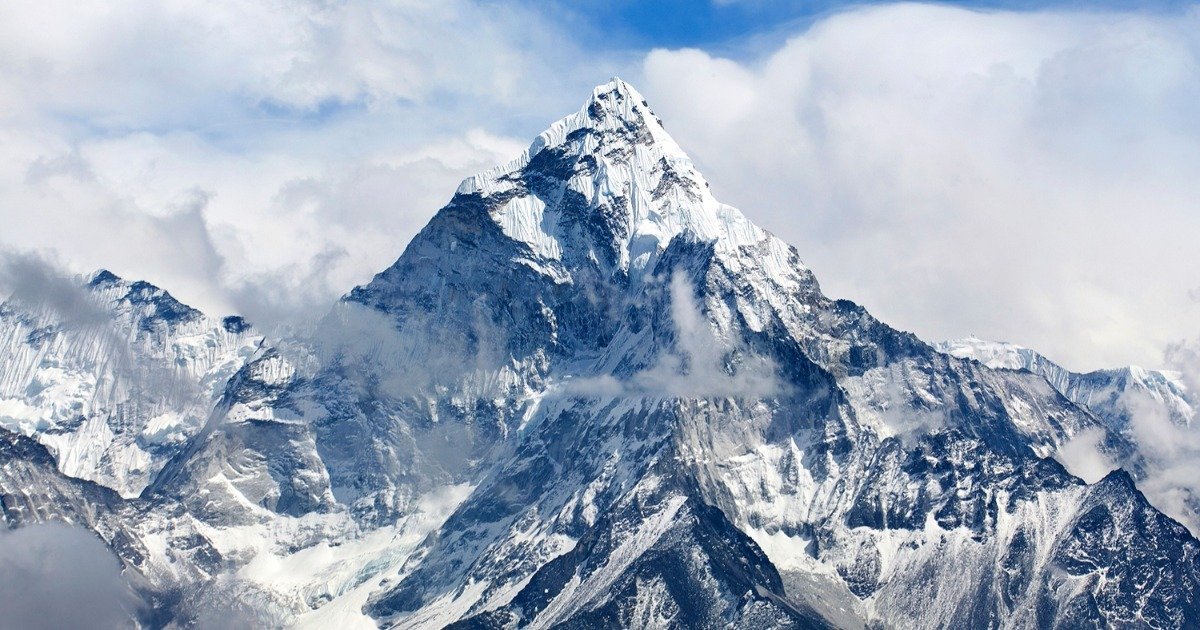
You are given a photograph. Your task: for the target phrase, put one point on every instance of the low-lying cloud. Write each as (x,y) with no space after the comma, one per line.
(1171,452)
(1084,456)
(35,280)
(61,576)
(1167,455)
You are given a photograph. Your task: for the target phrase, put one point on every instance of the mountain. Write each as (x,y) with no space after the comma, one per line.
(588,394)
(1112,394)
(1152,409)
(117,380)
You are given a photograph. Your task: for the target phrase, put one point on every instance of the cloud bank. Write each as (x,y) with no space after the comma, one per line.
(1029,176)
(62,576)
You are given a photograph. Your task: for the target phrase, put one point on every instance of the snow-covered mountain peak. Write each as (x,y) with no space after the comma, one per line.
(994,354)
(113,376)
(1105,392)
(147,301)
(612,170)
(586,395)
(614,108)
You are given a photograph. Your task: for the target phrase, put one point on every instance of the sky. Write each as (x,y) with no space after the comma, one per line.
(1019,171)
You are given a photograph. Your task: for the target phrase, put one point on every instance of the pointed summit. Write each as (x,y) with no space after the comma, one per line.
(617,106)
(611,167)
(102,276)
(616,113)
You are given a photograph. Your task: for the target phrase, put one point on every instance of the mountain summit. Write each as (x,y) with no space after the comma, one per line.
(613,166)
(588,394)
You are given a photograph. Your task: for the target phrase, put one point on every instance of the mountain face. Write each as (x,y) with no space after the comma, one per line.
(119,382)
(1152,409)
(588,394)
(1112,394)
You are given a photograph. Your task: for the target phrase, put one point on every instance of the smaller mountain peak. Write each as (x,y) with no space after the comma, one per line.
(1119,477)
(102,277)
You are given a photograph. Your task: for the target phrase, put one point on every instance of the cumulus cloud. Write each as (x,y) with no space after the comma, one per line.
(61,576)
(956,171)
(1028,176)
(218,149)
(1084,456)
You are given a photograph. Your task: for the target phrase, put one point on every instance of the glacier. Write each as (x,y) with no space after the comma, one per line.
(587,394)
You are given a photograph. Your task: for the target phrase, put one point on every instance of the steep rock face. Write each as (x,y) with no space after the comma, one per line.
(117,387)
(1152,409)
(1114,395)
(588,394)
(256,451)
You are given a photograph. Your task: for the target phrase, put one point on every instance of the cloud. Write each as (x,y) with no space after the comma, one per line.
(1184,357)
(62,576)
(1027,176)
(38,281)
(212,149)
(698,365)
(183,62)
(1171,455)
(1083,455)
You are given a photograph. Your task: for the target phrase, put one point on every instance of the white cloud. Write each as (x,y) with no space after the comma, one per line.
(1084,456)
(62,576)
(213,148)
(1172,459)
(1022,176)
(1184,357)
(31,279)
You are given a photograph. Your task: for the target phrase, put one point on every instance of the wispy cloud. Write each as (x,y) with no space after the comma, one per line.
(697,365)
(1184,357)
(36,280)
(1172,459)
(1084,456)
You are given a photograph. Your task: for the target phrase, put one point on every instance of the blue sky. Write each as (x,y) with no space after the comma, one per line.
(1021,171)
(734,24)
